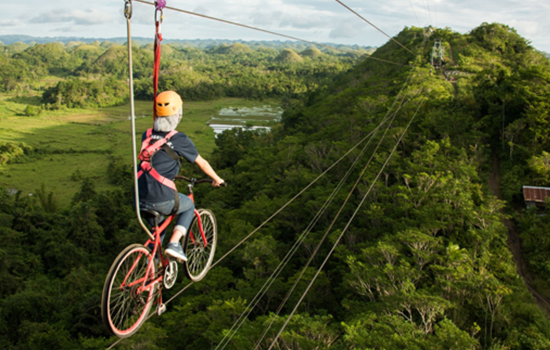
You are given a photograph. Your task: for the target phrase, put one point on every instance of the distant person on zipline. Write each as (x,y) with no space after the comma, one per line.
(163,146)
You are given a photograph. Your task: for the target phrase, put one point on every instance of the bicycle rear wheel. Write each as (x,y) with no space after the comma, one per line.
(199,256)
(123,307)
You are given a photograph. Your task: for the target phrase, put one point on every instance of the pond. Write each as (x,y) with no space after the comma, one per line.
(238,117)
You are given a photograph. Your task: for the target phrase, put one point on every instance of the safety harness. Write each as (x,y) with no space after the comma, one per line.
(148,149)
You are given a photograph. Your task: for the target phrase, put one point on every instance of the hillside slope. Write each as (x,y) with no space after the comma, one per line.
(425,263)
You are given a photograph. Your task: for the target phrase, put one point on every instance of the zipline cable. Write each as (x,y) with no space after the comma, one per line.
(435,12)
(128,11)
(375,27)
(337,215)
(414,11)
(242,318)
(429,12)
(289,293)
(262,30)
(345,228)
(276,273)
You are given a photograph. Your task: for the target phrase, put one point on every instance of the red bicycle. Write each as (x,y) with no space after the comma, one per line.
(135,279)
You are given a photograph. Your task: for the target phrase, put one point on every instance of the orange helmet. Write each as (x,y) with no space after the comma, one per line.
(168,103)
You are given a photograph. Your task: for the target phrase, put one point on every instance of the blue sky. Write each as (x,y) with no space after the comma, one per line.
(319,20)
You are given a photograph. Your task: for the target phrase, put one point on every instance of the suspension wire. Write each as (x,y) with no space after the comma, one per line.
(263,31)
(128,11)
(347,226)
(414,11)
(429,12)
(435,12)
(338,214)
(242,318)
(276,273)
(289,293)
(262,292)
(375,27)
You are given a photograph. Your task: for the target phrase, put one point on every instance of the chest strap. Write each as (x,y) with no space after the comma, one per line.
(146,155)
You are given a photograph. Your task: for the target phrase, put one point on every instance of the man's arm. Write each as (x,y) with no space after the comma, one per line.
(207,169)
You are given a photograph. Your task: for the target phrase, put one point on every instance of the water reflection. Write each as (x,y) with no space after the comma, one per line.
(237,117)
(219,128)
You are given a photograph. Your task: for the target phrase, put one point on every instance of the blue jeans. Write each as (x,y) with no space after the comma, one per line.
(185,211)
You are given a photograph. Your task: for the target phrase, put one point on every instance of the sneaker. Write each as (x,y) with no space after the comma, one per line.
(175,251)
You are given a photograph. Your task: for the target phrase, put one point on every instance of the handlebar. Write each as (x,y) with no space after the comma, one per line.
(194,181)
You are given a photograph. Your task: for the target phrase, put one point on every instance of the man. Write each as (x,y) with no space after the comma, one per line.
(164,146)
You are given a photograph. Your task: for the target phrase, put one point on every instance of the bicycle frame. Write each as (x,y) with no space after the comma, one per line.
(147,284)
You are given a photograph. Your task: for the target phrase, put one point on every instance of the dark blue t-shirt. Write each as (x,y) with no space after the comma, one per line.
(152,191)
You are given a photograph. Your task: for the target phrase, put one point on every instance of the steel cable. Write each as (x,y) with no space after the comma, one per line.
(310,226)
(375,27)
(263,30)
(346,227)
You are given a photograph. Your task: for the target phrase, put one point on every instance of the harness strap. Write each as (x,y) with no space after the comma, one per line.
(147,168)
(171,153)
(148,151)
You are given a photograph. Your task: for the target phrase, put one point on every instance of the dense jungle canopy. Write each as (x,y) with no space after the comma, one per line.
(428,263)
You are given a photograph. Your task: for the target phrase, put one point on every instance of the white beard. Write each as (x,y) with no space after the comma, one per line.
(167,124)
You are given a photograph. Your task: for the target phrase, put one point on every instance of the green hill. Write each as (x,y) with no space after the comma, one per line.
(312,52)
(16,47)
(233,49)
(288,56)
(430,237)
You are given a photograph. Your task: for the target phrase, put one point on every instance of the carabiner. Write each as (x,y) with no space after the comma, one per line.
(159,6)
(157,18)
(128,9)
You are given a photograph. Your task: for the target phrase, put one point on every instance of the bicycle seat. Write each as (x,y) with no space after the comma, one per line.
(151,213)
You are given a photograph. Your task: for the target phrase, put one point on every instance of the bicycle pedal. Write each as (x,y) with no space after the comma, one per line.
(161,309)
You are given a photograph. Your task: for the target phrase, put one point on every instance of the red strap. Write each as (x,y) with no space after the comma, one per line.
(145,143)
(156,65)
(170,134)
(146,166)
(151,148)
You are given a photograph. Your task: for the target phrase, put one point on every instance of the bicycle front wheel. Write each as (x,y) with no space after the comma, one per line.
(124,305)
(199,254)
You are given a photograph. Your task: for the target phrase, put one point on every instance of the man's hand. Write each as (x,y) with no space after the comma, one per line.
(207,169)
(217,182)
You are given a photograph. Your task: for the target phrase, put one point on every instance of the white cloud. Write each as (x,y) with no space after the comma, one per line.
(78,17)
(10,22)
(202,10)
(319,20)
(345,29)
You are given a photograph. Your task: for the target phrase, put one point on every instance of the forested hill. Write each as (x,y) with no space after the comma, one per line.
(17,40)
(426,262)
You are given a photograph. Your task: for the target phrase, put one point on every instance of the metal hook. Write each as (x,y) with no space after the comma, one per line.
(128,9)
(157,18)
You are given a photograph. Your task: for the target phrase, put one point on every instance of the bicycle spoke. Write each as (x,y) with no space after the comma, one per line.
(124,306)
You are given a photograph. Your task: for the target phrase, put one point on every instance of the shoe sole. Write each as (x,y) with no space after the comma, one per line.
(176,255)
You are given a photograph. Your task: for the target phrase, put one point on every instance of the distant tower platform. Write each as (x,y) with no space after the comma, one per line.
(438,52)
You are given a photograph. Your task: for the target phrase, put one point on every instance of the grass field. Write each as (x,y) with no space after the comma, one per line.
(85,139)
